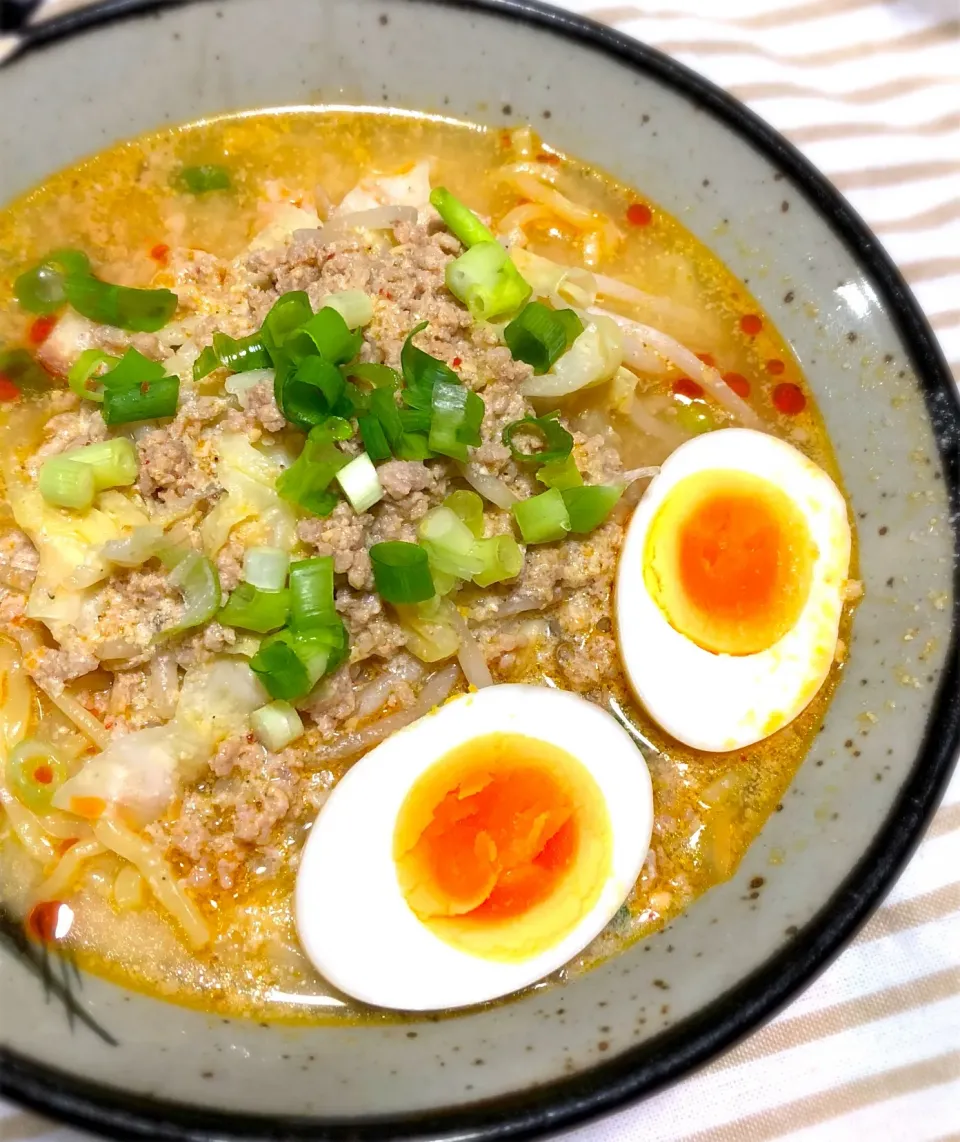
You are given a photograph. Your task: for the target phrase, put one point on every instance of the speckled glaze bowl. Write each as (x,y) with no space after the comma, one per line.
(133,1067)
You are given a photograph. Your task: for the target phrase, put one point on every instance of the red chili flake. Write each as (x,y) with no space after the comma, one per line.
(789,398)
(49,920)
(144,386)
(707,359)
(8,390)
(684,387)
(775,367)
(751,324)
(40,329)
(43,774)
(505,139)
(739,384)
(546,157)
(456,362)
(639,214)
(159,252)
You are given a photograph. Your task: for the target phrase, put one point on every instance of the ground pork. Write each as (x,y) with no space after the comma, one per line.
(52,669)
(225,826)
(18,560)
(68,430)
(372,631)
(332,702)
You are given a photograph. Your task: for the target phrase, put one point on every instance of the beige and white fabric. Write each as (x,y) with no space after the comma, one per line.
(870,91)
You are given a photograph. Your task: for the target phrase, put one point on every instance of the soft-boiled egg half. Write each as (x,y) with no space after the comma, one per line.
(730,588)
(475,851)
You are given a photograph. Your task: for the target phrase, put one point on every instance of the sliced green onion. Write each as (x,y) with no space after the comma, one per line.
(81,378)
(139,310)
(288,312)
(456,415)
(589,506)
(459,219)
(416,419)
(449,543)
(422,372)
(311,593)
(34,772)
(306,481)
(557,442)
(379,376)
(266,567)
(539,335)
(353,305)
(281,669)
(252,608)
(132,369)
(325,333)
(543,518)
(197,580)
(384,407)
(66,483)
(502,559)
(560,474)
(374,438)
(238,354)
(401,572)
(487,282)
(202,179)
(311,394)
(360,483)
(289,664)
(469,507)
(114,462)
(41,288)
(413,446)
(276,725)
(22,371)
(148,401)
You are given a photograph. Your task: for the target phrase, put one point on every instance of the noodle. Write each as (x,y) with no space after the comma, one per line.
(14,696)
(60,880)
(65,703)
(578,216)
(81,717)
(148,861)
(28,828)
(682,358)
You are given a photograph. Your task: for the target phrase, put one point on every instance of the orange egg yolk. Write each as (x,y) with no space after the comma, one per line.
(503,845)
(728,560)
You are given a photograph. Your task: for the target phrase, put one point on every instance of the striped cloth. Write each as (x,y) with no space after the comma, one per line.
(870,91)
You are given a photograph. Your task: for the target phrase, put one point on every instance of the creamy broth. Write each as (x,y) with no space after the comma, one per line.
(123,209)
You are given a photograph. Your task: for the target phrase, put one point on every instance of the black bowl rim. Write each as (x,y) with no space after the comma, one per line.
(645,1069)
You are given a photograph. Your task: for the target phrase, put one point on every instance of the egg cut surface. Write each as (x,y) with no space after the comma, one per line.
(730,587)
(475,851)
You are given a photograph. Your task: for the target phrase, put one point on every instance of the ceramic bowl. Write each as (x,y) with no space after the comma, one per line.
(134,1067)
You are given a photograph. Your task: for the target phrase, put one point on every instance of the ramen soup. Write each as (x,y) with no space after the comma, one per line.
(423,564)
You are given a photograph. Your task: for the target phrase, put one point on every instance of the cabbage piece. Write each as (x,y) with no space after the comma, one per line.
(66,542)
(284,219)
(411,188)
(431,629)
(572,284)
(137,772)
(141,771)
(595,356)
(248,477)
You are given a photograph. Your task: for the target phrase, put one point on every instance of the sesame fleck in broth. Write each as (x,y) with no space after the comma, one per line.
(315,423)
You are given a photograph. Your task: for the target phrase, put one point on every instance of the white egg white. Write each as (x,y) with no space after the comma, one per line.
(719,702)
(353,921)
